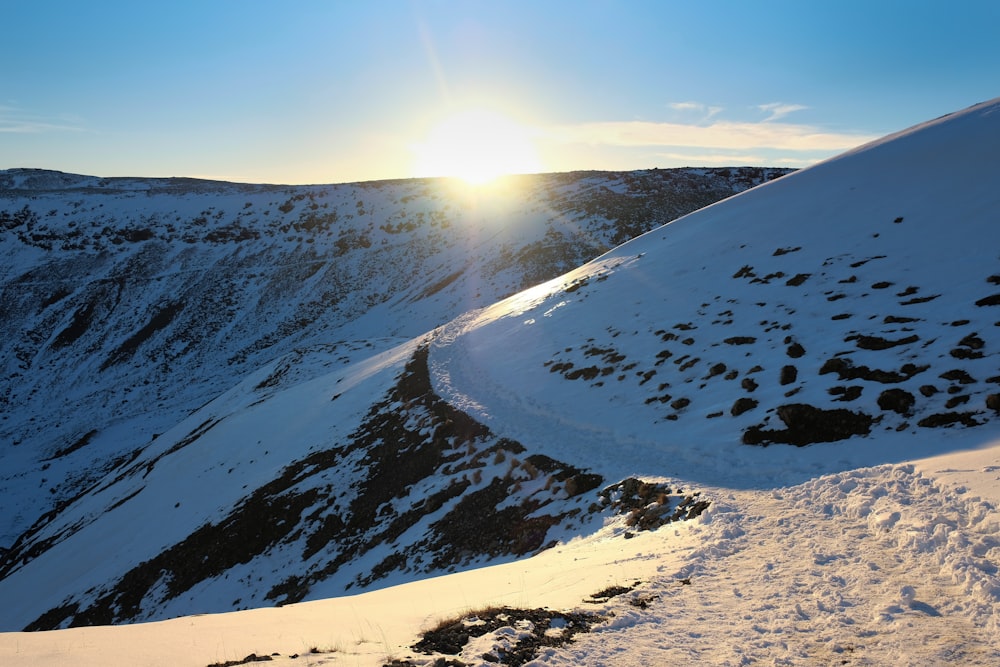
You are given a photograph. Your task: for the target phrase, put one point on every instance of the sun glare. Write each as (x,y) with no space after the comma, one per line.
(476,146)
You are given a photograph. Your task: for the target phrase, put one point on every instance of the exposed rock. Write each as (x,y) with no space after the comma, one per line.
(992,300)
(651,504)
(716,369)
(972,341)
(807,424)
(846,393)
(948,419)
(969,347)
(396,449)
(897,400)
(955,401)
(879,343)
(795,350)
(451,636)
(742,404)
(797,279)
(957,375)
(784,251)
(845,370)
(740,340)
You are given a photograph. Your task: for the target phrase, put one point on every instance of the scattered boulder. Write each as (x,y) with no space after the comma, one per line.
(789,374)
(795,350)
(972,341)
(716,369)
(992,300)
(845,370)
(784,251)
(879,343)
(742,404)
(807,424)
(846,393)
(957,375)
(451,636)
(969,347)
(948,419)
(896,400)
(740,340)
(797,279)
(651,504)
(956,401)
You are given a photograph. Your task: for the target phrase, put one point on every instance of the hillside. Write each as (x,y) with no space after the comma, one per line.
(128,304)
(767,432)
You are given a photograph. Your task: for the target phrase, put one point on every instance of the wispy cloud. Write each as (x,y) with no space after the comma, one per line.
(727,159)
(730,159)
(15,121)
(779,110)
(725,135)
(705,110)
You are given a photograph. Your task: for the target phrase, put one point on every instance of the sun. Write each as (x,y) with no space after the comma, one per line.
(476,146)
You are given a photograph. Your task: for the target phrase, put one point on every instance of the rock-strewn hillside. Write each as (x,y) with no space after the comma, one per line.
(804,376)
(837,317)
(854,298)
(127,304)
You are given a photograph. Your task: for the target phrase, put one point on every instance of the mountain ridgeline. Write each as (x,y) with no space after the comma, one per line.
(225,396)
(128,304)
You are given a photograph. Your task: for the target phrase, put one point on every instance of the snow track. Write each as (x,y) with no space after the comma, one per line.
(872,566)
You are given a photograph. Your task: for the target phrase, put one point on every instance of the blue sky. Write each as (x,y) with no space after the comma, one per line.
(337,91)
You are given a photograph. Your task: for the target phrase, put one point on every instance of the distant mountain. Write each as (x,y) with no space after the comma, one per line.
(128,304)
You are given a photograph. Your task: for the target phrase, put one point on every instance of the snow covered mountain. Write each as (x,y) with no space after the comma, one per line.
(128,304)
(758,375)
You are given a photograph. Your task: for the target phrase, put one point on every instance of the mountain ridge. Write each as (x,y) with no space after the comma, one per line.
(130,303)
(760,341)
(761,373)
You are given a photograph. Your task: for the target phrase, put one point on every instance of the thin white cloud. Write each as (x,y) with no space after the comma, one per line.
(779,110)
(724,135)
(686,106)
(727,159)
(731,159)
(14,121)
(706,110)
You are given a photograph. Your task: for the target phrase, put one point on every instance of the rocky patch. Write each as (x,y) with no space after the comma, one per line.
(649,505)
(421,468)
(896,400)
(517,634)
(806,425)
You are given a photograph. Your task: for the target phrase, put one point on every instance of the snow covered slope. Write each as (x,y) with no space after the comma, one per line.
(854,306)
(128,304)
(125,304)
(760,374)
